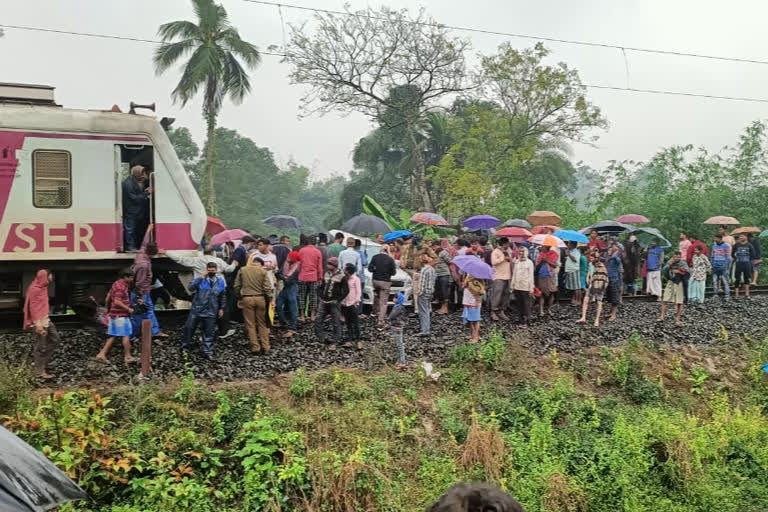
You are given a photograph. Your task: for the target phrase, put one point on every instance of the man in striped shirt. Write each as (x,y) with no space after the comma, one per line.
(424,300)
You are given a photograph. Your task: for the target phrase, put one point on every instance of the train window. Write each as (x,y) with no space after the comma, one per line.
(52,179)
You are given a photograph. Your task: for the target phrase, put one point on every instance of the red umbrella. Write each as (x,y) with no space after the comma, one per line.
(514,234)
(722,220)
(214,226)
(545,228)
(632,218)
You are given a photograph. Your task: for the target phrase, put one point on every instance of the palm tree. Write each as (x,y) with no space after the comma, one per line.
(214,47)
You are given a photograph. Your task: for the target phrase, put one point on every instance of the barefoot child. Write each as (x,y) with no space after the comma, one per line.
(598,282)
(474,289)
(397,318)
(118,305)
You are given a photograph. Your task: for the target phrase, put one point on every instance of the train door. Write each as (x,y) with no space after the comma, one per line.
(133,214)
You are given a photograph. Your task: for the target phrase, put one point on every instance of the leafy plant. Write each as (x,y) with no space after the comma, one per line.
(697,378)
(301,385)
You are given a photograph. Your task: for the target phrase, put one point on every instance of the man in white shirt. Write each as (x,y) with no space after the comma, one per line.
(264,251)
(350,255)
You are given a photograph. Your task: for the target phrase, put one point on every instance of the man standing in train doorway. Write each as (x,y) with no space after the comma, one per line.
(136,196)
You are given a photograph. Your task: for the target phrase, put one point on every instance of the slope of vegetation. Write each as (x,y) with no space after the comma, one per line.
(636,428)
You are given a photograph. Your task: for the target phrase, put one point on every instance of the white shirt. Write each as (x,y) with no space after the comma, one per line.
(350,255)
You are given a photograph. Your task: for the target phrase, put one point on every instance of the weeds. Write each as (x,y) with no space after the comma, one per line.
(697,378)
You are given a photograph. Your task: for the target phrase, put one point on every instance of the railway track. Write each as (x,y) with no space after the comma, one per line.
(10,321)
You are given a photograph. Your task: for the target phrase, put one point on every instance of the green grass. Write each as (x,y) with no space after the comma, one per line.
(340,440)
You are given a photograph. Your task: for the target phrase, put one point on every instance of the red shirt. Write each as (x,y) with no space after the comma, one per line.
(119,292)
(311,264)
(597,242)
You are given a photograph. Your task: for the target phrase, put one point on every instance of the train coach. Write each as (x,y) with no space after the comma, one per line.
(61,173)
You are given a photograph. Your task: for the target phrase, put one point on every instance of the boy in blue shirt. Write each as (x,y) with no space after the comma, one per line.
(721,265)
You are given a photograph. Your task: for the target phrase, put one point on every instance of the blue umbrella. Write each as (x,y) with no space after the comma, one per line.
(481,222)
(396,234)
(473,266)
(571,236)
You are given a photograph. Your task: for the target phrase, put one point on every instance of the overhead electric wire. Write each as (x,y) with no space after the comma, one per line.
(276,54)
(523,36)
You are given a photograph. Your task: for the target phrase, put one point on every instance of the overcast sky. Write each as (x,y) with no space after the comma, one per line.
(95,73)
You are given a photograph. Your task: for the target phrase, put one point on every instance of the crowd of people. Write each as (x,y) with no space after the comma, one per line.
(270,283)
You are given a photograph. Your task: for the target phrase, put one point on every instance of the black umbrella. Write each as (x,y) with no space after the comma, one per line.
(364,223)
(29,481)
(607,226)
(517,223)
(283,221)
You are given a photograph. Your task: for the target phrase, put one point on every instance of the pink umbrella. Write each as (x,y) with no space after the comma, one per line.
(544,229)
(428,218)
(228,236)
(722,220)
(633,218)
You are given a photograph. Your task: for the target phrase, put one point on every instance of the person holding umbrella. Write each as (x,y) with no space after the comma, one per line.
(475,270)
(474,291)
(573,272)
(744,255)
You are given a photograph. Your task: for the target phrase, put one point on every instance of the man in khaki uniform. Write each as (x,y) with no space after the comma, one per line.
(254,291)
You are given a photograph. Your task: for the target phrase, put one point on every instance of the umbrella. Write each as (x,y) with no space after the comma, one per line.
(29,481)
(228,236)
(645,234)
(517,223)
(544,217)
(544,229)
(632,218)
(764,234)
(607,226)
(548,240)
(365,224)
(473,266)
(481,222)
(569,235)
(745,231)
(395,235)
(722,220)
(428,218)
(214,226)
(514,234)
(283,221)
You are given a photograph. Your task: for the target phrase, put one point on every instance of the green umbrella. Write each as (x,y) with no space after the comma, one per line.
(764,234)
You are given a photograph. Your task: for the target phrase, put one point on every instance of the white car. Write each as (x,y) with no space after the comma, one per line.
(401,281)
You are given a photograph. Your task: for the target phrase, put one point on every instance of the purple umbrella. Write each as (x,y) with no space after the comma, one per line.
(473,266)
(481,222)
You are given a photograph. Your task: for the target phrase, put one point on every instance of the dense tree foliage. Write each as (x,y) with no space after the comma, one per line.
(681,185)
(252,186)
